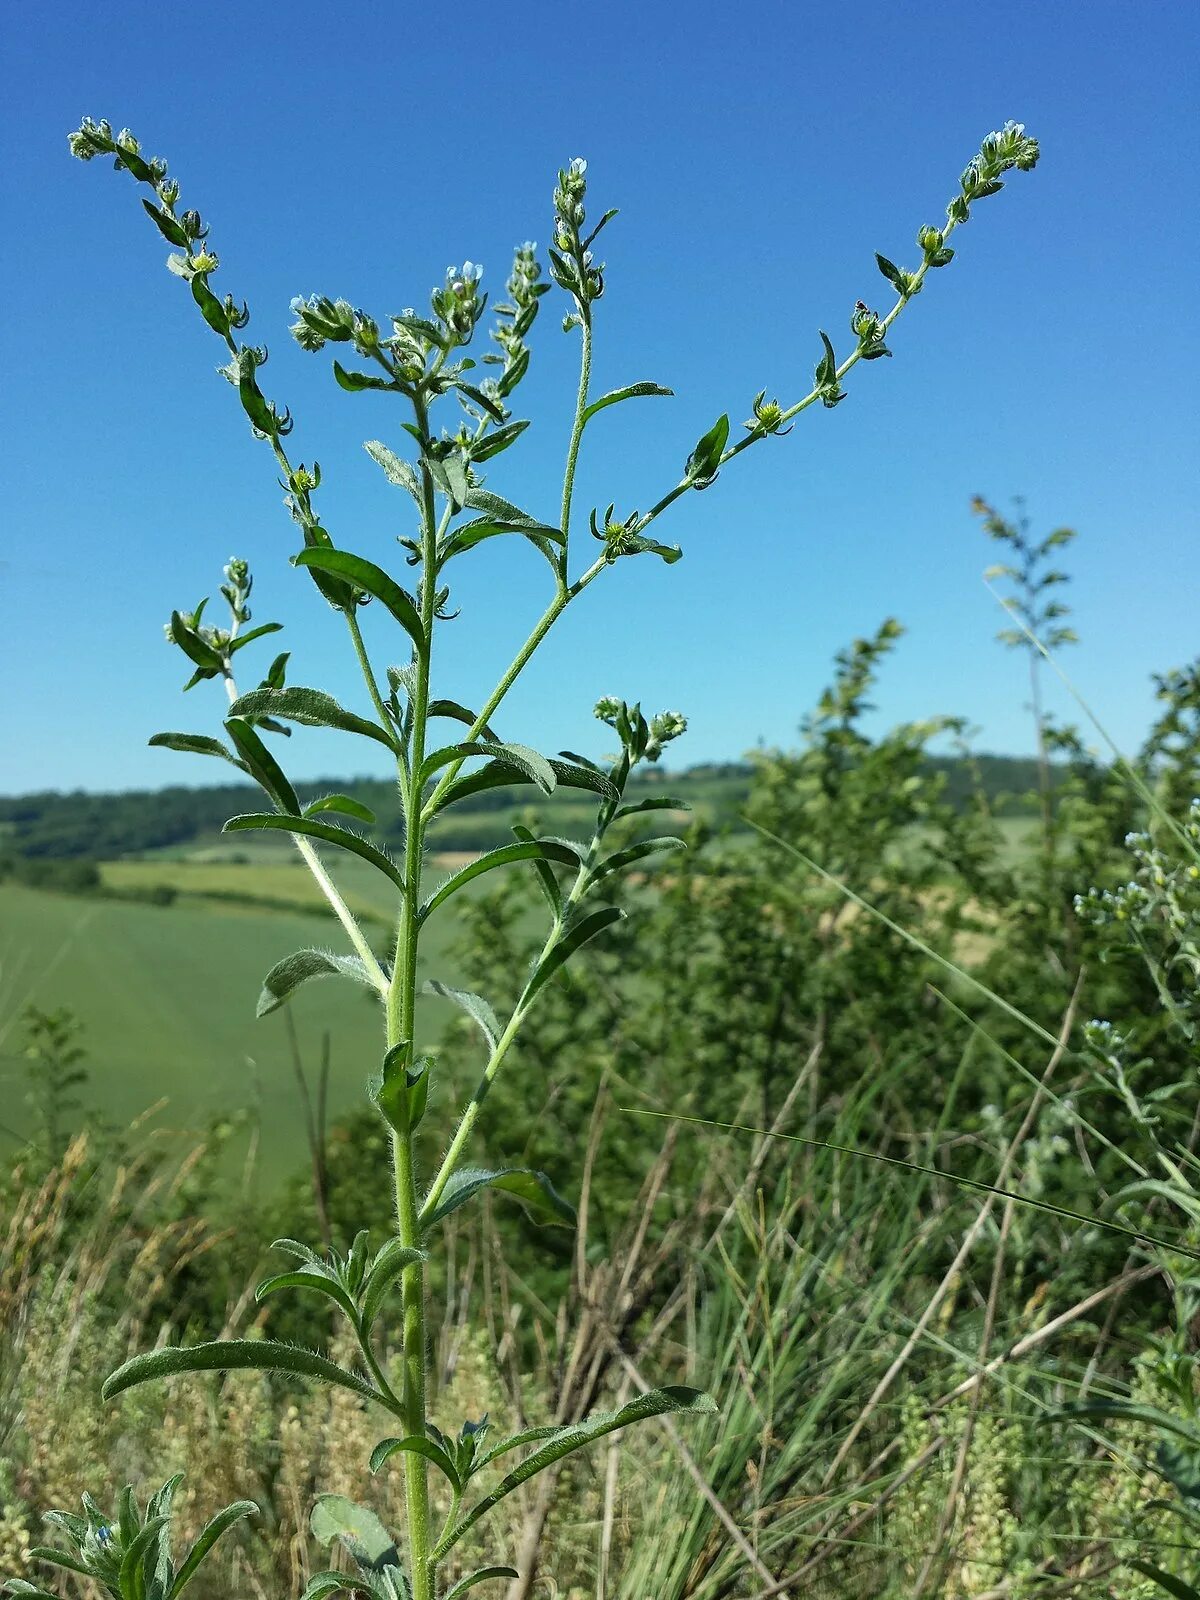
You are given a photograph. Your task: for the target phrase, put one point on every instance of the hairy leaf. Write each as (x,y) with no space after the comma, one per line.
(229,1355)
(287,975)
(632,391)
(327,832)
(195,744)
(355,1527)
(262,765)
(312,708)
(474,1005)
(344,803)
(504,856)
(397,470)
(415,1445)
(586,928)
(657,1403)
(532,1189)
(372,580)
(208,1536)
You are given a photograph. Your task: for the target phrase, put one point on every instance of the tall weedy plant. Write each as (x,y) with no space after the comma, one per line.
(422,361)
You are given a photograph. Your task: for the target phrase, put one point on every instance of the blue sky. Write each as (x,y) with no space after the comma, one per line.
(758,158)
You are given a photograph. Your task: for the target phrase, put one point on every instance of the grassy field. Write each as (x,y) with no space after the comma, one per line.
(167,996)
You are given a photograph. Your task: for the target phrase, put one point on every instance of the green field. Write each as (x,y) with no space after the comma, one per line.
(167,994)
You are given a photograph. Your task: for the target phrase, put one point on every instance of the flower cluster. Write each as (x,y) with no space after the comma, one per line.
(999,153)
(643,741)
(458,304)
(320,319)
(516,317)
(572,263)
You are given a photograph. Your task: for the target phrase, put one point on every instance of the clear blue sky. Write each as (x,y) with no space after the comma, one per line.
(759,155)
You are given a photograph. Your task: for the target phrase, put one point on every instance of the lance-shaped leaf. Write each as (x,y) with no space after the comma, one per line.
(499,509)
(396,470)
(255,633)
(534,768)
(287,975)
(636,852)
(460,713)
(474,1005)
(262,765)
(1166,1581)
(344,803)
(194,646)
(532,1189)
(208,1536)
(578,934)
(372,580)
(564,1441)
(327,832)
(324,1584)
(545,872)
(473,533)
(195,744)
(702,464)
(415,1445)
(633,391)
(232,1355)
(52,1557)
(354,382)
(356,1528)
(659,802)
(312,708)
(499,439)
(481,1576)
(498,774)
(393,1259)
(316,1281)
(144,1544)
(211,309)
(505,855)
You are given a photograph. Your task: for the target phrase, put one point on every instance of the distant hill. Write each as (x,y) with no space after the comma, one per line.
(102,827)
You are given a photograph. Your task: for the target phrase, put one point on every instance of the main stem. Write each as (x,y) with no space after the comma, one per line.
(401,1009)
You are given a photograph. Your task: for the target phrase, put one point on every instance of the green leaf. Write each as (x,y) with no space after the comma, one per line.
(345,804)
(492,443)
(355,1527)
(255,633)
(475,1006)
(661,802)
(193,646)
(459,713)
(195,744)
(328,832)
(636,852)
(449,473)
(893,274)
(372,580)
(312,708)
(1127,1411)
(586,928)
(532,1189)
(262,765)
(323,1584)
(545,874)
(208,1536)
(498,774)
(136,1552)
(396,470)
(482,1576)
(387,1266)
(211,308)
(51,1557)
(498,509)
(534,768)
(705,459)
(167,226)
(505,855)
(230,1355)
(473,533)
(1173,1586)
(288,974)
(826,373)
(323,1283)
(477,397)
(415,1445)
(355,382)
(633,391)
(564,1441)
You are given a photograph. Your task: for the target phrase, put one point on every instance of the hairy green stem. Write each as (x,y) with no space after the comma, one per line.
(401,1008)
